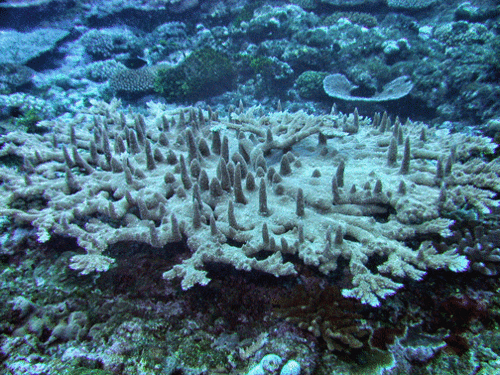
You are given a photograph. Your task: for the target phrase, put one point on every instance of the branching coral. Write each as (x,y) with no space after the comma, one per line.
(262,190)
(326,315)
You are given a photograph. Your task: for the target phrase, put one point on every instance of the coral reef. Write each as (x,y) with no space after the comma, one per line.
(483,250)
(181,6)
(23,103)
(105,43)
(101,71)
(310,85)
(449,51)
(350,3)
(22,3)
(344,208)
(360,18)
(338,86)
(261,192)
(20,48)
(328,316)
(203,73)
(133,81)
(271,363)
(14,76)
(411,4)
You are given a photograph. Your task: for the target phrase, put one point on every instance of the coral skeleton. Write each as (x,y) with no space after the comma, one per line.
(264,188)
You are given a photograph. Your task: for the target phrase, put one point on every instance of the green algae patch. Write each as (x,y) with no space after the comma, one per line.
(204,73)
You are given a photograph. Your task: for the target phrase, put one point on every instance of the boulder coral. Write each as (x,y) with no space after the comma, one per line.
(251,189)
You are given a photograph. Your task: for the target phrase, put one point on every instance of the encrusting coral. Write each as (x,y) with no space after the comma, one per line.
(251,188)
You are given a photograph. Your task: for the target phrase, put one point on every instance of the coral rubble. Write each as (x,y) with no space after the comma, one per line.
(264,189)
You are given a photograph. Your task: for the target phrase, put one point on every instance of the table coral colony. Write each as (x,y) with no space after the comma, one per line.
(251,188)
